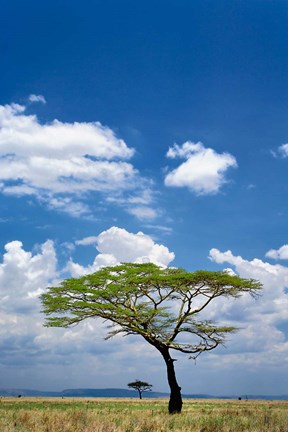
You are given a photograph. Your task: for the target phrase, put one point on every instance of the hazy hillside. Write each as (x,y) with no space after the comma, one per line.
(124,393)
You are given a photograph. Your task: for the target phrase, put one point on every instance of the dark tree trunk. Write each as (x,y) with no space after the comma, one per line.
(175,402)
(140,394)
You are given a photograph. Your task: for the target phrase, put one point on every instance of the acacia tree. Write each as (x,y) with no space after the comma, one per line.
(162,305)
(140,386)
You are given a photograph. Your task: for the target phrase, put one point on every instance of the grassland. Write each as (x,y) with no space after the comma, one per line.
(132,415)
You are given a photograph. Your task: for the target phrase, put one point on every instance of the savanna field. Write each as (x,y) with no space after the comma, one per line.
(133,415)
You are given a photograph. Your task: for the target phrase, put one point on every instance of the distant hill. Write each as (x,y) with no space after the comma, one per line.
(124,393)
(110,392)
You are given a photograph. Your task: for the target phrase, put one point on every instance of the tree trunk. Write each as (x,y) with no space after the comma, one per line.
(140,394)
(175,402)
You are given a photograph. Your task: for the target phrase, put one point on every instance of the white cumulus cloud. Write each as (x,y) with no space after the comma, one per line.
(61,163)
(263,321)
(281,253)
(203,171)
(24,275)
(37,98)
(283,150)
(117,245)
(43,352)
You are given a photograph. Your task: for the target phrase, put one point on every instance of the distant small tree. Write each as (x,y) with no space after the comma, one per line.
(140,386)
(163,306)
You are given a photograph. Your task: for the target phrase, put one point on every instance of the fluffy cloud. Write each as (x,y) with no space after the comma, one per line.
(91,240)
(42,352)
(60,163)
(38,355)
(23,135)
(264,322)
(117,245)
(143,213)
(37,98)
(204,170)
(281,253)
(283,150)
(23,275)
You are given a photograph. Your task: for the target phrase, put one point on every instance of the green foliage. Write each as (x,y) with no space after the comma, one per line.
(161,305)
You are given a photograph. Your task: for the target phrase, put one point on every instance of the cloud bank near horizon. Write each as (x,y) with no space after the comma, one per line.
(25,343)
(264,336)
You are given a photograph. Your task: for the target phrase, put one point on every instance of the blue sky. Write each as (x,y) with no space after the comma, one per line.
(163,118)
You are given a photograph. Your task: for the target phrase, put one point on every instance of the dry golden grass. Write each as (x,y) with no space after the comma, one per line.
(132,415)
